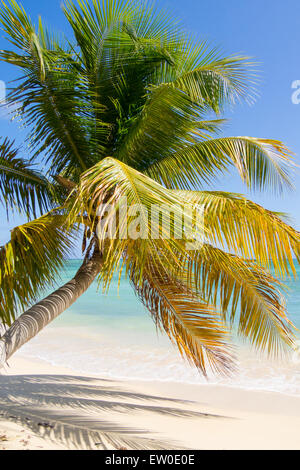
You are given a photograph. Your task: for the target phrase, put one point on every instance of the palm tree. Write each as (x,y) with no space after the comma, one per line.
(131,109)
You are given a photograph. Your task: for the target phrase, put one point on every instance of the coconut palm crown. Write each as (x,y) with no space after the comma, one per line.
(130,108)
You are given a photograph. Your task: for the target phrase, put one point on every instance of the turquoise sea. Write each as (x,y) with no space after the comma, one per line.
(113,336)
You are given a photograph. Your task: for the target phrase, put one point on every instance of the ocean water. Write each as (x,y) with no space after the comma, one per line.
(112,335)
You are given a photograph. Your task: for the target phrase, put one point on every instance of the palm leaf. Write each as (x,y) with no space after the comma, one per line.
(192,324)
(147,141)
(206,76)
(31,260)
(107,185)
(246,228)
(124,48)
(49,93)
(22,187)
(245,292)
(261,163)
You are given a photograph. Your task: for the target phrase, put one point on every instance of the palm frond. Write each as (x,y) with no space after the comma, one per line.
(31,260)
(261,163)
(148,206)
(192,324)
(123,48)
(206,76)
(239,225)
(132,56)
(147,141)
(49,93)
(245,292)
(22,187)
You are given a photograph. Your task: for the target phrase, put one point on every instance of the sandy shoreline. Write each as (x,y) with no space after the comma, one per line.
(47,407)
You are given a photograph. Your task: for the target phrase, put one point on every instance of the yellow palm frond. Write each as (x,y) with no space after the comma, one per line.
(241,288)
(106,185)
(191,323)
(249,296)
(239,225)
(31,260)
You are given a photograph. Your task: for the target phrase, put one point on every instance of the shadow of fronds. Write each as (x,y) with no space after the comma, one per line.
(72,411)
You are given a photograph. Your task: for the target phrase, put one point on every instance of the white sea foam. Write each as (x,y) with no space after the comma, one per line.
(109,355)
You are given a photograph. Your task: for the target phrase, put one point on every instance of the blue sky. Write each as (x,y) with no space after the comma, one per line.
(267,30)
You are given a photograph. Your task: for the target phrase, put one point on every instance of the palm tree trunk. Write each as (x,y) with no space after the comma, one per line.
(41,314)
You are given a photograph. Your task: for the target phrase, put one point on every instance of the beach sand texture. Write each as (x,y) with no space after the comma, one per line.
(55,408)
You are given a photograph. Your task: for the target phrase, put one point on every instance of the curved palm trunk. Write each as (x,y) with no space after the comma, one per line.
(37,317)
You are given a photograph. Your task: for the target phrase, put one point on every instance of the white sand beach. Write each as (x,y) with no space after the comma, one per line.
(47,407)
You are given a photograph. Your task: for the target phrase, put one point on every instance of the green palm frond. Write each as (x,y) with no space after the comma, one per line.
(147,141)
(21,187)
(261,163)
(31,260)
(131,67)
(120,55)
(215,80)
(16,24)
(191,323)
(246,228)
(49,93)
(126,56)
(120,25)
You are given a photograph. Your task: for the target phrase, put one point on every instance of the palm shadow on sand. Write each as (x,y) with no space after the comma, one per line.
(75,411)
